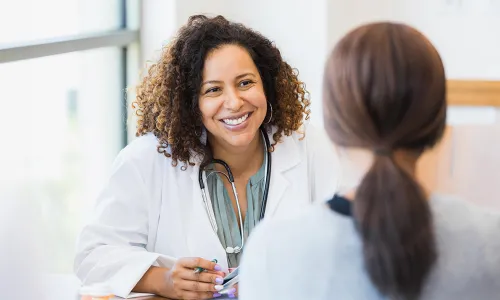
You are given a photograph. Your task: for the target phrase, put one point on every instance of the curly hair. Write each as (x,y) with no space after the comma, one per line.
(167,97)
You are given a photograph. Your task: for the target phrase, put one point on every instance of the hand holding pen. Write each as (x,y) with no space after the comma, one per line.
(186,281)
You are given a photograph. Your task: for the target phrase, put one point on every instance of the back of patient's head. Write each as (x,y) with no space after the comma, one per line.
(384,91)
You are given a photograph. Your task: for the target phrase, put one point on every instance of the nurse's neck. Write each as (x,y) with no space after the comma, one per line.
(243,161)
(356,162)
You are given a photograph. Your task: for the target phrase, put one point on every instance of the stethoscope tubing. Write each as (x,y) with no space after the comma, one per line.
(230,178)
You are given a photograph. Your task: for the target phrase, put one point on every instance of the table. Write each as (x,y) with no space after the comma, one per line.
(66,287)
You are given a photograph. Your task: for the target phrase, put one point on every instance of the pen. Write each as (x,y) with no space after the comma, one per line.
(199,269)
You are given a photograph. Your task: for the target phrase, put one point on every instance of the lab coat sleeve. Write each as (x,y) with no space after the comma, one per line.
(324,164)
(111,248)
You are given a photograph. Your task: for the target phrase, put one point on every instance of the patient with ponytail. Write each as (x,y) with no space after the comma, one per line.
(383,236)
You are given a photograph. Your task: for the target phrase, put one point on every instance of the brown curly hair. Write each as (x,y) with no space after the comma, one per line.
(167,97)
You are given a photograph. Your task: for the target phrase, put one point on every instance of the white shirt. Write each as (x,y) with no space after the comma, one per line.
(151,213)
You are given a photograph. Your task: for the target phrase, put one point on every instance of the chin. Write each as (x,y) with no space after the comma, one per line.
(241,140)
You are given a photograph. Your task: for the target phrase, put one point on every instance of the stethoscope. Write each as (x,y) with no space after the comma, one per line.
(229,176)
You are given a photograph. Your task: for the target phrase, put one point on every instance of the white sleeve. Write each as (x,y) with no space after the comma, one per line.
(111,248)
(324,164)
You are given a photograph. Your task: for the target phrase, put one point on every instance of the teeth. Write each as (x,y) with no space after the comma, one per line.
(235,121)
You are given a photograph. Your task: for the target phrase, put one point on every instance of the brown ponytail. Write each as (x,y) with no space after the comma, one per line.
(395,224)
(385,88)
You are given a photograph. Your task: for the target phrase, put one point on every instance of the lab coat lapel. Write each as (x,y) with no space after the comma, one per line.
(285,156)
(201,239)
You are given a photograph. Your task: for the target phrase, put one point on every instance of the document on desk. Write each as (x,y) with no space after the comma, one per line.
(99,291)
(133,296)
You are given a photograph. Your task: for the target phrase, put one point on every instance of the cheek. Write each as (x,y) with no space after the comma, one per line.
(208,107)
(258,99)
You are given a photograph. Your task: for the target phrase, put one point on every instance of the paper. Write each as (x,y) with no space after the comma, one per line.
(134,295)
(103,290)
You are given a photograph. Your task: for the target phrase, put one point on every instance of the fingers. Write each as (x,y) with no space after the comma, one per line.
(195,262)
(219,273)
(197,286)
(202,277)
(235,289)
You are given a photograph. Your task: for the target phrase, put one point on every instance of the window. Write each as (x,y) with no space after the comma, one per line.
(63,73)
(27,20)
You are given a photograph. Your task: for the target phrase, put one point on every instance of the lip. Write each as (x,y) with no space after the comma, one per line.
(238,127)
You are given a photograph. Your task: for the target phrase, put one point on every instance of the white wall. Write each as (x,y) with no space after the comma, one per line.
(466,33)
(158,24)
(345,15)
(467,36)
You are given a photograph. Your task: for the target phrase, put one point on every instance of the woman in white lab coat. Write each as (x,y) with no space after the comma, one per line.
(218,91)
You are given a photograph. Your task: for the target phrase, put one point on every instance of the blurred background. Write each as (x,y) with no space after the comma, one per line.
(65,66)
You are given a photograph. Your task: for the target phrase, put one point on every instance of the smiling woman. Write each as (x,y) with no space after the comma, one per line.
(216,96)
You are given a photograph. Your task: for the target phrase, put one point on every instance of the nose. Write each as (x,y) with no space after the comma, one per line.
(233,100)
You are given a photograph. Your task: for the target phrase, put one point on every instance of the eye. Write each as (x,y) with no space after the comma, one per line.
(246,82)
(214,89)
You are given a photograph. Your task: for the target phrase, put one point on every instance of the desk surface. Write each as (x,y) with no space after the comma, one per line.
(161,298)
(66,287)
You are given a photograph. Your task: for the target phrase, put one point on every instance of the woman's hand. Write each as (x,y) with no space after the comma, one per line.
(183,283)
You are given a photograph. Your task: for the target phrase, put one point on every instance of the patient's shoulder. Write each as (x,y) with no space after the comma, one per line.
(467,234)
(458,215)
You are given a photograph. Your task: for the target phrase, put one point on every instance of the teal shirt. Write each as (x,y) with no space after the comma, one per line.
(227,220)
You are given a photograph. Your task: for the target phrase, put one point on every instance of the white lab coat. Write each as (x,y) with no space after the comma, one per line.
(151,213)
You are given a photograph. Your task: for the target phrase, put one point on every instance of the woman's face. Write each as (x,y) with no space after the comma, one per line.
(232,100)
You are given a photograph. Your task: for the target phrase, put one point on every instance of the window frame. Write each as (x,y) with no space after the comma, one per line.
(123,37)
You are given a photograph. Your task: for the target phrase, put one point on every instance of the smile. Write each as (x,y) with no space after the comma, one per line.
(236,121)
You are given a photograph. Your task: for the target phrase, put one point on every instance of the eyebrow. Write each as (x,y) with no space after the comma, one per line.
(237,77)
